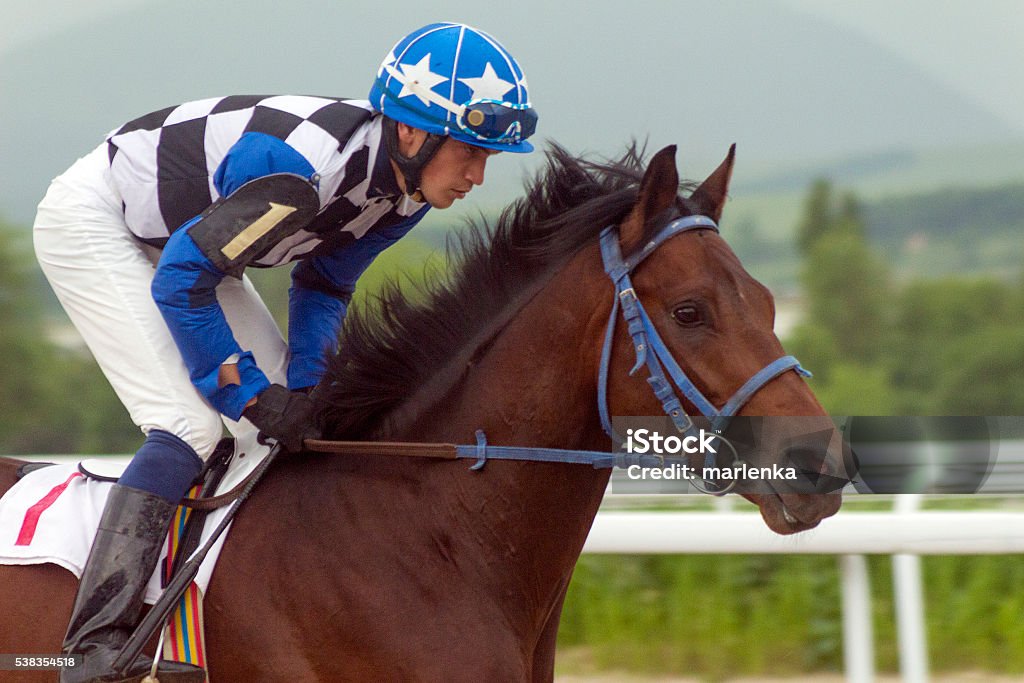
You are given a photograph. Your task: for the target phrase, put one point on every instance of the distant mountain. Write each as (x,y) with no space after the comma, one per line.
(847,170)
(788,88)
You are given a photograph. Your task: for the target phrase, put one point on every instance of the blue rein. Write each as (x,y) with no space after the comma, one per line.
(651,351)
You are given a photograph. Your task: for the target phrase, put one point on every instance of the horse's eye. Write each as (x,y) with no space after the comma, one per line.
(687,315)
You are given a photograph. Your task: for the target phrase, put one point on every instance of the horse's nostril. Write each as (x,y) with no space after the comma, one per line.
(818,470)
(809,462)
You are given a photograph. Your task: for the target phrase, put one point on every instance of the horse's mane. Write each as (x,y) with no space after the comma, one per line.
(389,350)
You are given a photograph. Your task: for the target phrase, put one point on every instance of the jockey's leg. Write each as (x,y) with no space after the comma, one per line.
(123,556)
(101,274)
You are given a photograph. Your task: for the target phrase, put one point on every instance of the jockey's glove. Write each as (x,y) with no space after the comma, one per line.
(290,417)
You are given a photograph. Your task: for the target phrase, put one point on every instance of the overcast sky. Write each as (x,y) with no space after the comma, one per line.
(797,84)
(974,46)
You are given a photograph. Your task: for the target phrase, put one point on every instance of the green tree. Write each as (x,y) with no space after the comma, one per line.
(825,215)
(845,282)
(23,350)
(816,348)
(846,287)
(983,372)
(817,217)
(846,292)
(858,389)
(955,346)
(52,400)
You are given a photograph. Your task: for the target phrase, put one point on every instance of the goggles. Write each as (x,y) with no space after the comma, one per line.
(497,121)
(486,120)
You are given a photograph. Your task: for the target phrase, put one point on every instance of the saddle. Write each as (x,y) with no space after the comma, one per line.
(183,638)
(205,485)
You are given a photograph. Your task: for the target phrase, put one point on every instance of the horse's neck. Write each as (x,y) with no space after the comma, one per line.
(535,382)
(535,386)
(503,539)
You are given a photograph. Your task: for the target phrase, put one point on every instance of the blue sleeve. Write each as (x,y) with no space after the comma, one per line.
(322,287)
(254,156)
(184,288)
(185,282)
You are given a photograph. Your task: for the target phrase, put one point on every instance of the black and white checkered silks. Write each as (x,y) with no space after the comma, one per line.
(99,228)
(163,165)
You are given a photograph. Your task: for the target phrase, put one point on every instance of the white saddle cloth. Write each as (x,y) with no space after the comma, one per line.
(51,515)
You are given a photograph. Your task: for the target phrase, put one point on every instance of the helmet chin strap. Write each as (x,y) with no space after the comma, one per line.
(410,166)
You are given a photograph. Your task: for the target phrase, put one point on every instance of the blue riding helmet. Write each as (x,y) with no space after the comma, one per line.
(454,80)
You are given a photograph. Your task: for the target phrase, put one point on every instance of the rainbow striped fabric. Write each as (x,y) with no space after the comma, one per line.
(183,638)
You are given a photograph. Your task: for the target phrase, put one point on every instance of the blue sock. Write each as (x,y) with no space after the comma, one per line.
(165,466)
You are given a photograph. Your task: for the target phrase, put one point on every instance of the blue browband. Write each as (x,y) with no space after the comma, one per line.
(652,352)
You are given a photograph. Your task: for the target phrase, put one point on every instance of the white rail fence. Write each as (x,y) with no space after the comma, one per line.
(905,533)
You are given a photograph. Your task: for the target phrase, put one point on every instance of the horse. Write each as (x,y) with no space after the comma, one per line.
(362,568)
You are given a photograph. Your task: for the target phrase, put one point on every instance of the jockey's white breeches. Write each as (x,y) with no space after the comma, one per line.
(102,274)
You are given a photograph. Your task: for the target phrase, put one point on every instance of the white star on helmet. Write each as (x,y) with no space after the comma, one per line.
(419,74)
(488,86)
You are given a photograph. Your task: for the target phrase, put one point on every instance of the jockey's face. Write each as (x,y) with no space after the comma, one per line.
(452,172)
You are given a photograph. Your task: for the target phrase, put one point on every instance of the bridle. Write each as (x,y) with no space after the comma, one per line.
(651,349)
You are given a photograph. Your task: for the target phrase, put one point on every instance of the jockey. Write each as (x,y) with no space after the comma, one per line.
(145,241)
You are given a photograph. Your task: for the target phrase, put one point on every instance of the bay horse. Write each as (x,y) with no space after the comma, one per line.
(368,568)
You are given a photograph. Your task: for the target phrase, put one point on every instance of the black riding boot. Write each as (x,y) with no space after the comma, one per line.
(109,601)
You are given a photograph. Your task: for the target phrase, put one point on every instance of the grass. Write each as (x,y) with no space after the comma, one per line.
(724,616)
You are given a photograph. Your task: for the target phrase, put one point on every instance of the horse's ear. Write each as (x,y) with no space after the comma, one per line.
(658,192)
(710,196)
